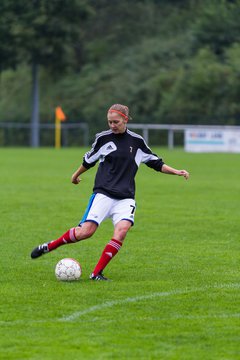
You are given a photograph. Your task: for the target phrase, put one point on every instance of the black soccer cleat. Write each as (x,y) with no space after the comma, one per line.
(39,251)
(98,277)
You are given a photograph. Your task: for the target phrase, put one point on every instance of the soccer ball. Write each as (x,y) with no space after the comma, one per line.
(68,270)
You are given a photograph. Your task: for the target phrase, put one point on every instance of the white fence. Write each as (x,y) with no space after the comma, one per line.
(172,129)
(78,133)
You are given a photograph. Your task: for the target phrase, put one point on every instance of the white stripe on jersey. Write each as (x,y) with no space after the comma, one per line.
(142,157)
(138,136)
(102,133)
(104,150)
(98,135)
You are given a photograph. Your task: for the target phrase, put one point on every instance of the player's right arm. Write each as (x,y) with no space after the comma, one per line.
(89,160)
(75,176)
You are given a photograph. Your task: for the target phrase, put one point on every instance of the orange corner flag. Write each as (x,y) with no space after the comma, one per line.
(60,114)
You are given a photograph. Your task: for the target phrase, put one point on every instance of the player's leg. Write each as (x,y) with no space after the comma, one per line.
(96,211)
(73,235)
(121,229)
(123,218)
(111,249)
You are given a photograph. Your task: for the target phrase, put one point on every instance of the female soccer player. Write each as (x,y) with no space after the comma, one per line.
(119,152)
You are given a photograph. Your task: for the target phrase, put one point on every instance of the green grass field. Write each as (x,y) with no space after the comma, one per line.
(175,288)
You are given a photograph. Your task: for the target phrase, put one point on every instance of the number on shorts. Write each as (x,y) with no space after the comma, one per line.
(133,208)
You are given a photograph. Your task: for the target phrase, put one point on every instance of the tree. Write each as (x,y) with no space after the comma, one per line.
(218,27)
(41,33)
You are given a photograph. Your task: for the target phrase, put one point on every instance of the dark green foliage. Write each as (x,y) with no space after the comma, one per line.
(8,50)
(40,31)
(169,61)
(218,26)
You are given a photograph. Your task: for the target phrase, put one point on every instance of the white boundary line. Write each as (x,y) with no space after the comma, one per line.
(108,304)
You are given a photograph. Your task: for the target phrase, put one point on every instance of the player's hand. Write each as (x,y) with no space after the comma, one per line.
(75,179)
(184,173)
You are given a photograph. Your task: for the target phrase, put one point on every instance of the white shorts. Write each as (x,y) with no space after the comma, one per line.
(101,207)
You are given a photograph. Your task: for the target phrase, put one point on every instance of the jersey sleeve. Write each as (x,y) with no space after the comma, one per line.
(149,158)
(91,157)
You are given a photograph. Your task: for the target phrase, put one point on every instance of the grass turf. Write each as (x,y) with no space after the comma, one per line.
(175,288)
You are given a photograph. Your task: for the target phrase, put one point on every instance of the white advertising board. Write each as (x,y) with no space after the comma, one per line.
(212,140)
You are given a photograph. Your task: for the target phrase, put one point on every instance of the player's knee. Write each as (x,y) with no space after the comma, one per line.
(85,231)
(121,232)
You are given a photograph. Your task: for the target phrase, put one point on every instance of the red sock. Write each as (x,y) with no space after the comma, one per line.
(67,238)
(109,252)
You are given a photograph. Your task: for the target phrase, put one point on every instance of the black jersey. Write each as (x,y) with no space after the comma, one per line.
(119,157)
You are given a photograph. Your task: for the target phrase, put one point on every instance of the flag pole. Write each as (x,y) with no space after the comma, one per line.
(57,133)
(59,117)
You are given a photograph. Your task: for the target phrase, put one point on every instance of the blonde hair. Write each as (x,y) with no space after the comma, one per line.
(121,109)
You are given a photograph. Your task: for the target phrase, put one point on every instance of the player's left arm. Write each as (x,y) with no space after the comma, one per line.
(171,171)
(153,161)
